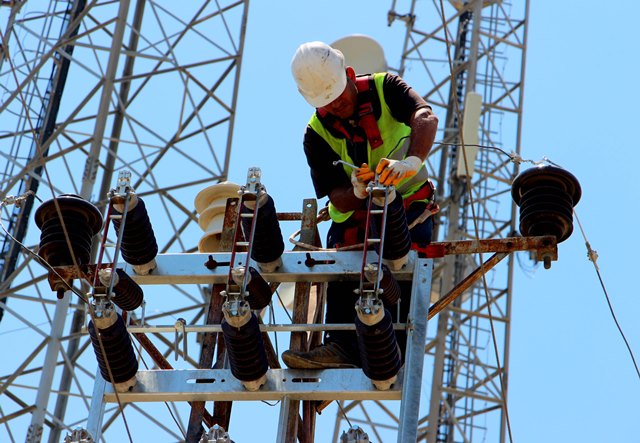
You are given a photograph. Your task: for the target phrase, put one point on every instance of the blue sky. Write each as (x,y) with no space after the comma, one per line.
(571,377)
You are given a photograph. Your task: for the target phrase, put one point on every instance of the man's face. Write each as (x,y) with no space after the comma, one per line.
(344,106)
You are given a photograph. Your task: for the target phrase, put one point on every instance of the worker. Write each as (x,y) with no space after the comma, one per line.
(378,122)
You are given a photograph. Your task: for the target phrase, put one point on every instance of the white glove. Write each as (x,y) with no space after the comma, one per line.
(359,187)
(392,172)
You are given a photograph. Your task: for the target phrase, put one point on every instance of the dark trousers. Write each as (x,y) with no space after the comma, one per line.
(341,298)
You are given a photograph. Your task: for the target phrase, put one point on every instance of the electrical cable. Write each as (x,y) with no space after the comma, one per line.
(275,333)
(272,321)
(593,257)
(284,306)
(270,404)
(344,414)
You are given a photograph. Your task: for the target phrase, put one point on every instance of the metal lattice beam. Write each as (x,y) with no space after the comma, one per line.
(452,48)
(137,96)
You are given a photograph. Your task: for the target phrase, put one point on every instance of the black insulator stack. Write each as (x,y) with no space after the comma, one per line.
(546,196)
(139,244)
(121,359)
(79,223)
(247,356)
(259,290)
(379,350)
(267,245)
(397,240)
(128,293)
(390,287)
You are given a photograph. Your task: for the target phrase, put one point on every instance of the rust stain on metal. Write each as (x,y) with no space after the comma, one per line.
(465,284)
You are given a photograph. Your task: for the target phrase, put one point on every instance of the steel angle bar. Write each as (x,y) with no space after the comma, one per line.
(414,360)
(220,385)
(198,268)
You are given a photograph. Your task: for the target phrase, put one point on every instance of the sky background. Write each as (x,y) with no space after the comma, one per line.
(571,378)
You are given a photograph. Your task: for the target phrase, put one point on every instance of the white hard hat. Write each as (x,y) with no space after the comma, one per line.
(319,72)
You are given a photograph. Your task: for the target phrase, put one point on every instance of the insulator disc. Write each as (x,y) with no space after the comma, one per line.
(247,356)
(139,244)
(379,349)
(119,351)
(80,219)
(397,240)
(267,245)
(546,196)
(128,293)
(390,287)
(259,290)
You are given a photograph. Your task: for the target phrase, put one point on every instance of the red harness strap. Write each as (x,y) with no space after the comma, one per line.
(424,193)
(366,117)
(353,232)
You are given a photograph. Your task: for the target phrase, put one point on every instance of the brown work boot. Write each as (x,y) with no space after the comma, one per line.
(323,357)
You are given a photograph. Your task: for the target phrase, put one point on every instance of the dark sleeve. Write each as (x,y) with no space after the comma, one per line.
(403,101)
(320,157)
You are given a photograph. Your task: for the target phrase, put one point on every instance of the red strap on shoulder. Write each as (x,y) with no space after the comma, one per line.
(365,112)
(367,119)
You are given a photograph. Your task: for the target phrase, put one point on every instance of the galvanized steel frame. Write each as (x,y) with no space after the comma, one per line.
(283,384)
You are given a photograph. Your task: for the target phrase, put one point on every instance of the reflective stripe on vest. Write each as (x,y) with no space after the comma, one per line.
(395,144)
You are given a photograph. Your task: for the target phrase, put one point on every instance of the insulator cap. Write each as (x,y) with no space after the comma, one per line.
(120,356)
(81,220)
(379,350)
(546,196)
(139,244)
(247,356)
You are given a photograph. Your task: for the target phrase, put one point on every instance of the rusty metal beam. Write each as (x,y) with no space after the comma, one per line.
(302,428)
(465,284)
(545,247)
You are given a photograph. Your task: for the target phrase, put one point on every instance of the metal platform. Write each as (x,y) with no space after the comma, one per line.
(282,384)
(220,385)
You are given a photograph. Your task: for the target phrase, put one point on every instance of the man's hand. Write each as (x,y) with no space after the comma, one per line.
(392,172)
(360,177)
(364,173)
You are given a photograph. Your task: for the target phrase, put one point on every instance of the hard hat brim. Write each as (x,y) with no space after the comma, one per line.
(332,94)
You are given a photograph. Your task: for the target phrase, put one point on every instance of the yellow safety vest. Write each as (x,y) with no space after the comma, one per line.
(395,138)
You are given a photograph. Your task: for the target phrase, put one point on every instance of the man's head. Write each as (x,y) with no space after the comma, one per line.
(323,79)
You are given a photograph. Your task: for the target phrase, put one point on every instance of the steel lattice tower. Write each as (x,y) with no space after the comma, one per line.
(452,48)
(90,88)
